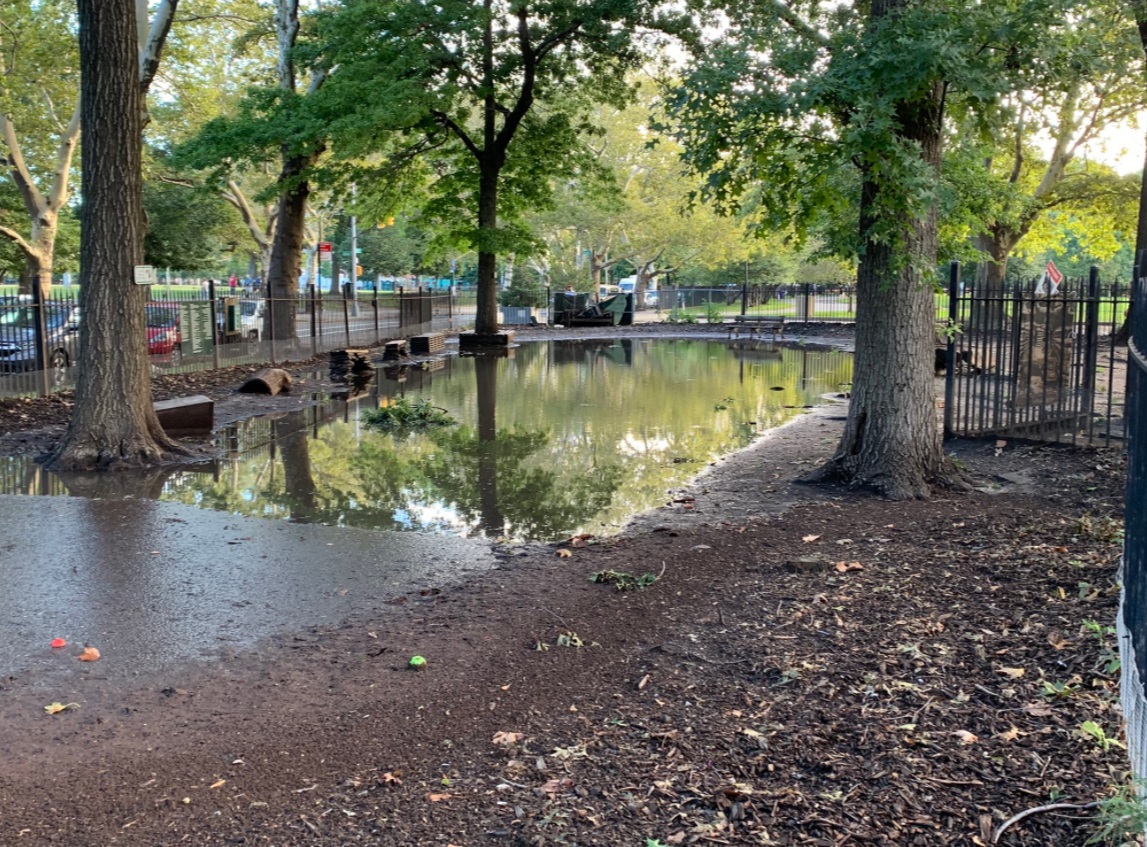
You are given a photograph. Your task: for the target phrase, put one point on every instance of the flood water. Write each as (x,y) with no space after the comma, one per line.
(553,439)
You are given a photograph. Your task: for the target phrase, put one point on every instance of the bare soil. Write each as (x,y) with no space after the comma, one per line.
(810,666)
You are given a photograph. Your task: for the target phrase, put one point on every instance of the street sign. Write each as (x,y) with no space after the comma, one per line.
(145,275)
(325,249)
(1049,283)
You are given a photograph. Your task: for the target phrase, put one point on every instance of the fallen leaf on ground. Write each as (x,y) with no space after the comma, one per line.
(437,798)
(844,567)
(1011,735)
(1057,641)
(57,643)
(56,708)
(809,539)
(389,777)
(966,737)
(556,785)
(508,737)
(219,783)
(90,654)
(1012,673)
(564,553)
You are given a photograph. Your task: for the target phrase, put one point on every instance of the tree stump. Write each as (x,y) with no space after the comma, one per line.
(270,381)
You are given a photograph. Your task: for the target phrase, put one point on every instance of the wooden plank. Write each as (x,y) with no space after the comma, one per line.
(431,342)
(183,416)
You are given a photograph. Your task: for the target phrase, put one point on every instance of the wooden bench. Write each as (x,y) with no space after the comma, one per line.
(757,325)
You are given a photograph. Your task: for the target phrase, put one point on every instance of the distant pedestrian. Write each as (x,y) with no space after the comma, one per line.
(233,282)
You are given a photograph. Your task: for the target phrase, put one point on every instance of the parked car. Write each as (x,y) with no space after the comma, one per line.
(18,336)
(163,332)
(250,319)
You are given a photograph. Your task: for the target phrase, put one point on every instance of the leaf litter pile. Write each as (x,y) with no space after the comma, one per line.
(850,672)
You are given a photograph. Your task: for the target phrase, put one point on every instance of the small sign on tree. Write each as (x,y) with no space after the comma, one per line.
(145,275)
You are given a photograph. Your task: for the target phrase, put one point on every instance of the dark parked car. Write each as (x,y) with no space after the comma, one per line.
(18,336)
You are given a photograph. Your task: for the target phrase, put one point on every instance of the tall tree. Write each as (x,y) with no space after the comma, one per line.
(39,125)
(786,106)
(500,92)
(298,157)
(1090,81)
(114,423)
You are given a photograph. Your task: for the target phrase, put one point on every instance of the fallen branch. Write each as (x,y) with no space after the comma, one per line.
(1050,807)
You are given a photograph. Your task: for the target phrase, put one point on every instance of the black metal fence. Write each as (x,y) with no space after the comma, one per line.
(1035,360)
(1132,624)
(798,302)
(205,329)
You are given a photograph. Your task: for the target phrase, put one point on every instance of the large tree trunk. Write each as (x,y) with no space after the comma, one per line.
(988,290)
(114,423)
(39,262)
(486,322)
(287,249)
(891,440)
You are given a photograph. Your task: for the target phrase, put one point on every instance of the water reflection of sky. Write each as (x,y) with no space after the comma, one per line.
(553,439)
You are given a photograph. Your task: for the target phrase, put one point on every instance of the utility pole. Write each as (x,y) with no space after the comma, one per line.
(354,255)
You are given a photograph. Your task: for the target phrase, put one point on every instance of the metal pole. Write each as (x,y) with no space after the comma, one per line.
(1091,348)
(214,323)
(271,318)
(354,253)
(400,316)
(314,319)
(41,330)
(374,305)
(346,314)
(950,373)
(745,291)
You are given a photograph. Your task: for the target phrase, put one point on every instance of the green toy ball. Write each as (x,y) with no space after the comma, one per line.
(417,663)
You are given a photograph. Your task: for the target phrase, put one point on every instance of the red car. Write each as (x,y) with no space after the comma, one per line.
(163,336)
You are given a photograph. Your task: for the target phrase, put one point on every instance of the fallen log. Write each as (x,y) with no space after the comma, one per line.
(270,381)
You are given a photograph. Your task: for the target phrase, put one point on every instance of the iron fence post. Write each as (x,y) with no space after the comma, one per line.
(271,318)
(1091,348)
(312,296)
(41,337)
(950,330)
(346,313)
(215,328)
(374,305)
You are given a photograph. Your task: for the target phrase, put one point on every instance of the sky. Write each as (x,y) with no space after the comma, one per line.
(1120,147)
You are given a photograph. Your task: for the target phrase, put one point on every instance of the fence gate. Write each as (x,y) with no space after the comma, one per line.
(1035,361)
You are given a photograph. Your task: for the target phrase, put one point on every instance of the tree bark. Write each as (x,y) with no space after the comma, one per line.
(891,440)
(287,248)
(114,423)
(486,322)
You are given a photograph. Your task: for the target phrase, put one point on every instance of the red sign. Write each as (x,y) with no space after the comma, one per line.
(325,247)
(1053,273)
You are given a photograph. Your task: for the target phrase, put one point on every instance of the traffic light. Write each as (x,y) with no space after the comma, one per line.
(358,270)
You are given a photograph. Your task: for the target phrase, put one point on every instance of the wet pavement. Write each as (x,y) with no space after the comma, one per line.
(154,584)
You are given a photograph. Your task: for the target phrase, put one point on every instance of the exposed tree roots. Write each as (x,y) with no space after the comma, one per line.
(846,470)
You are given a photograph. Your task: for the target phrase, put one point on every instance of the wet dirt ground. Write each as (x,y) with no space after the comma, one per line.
(810,666)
